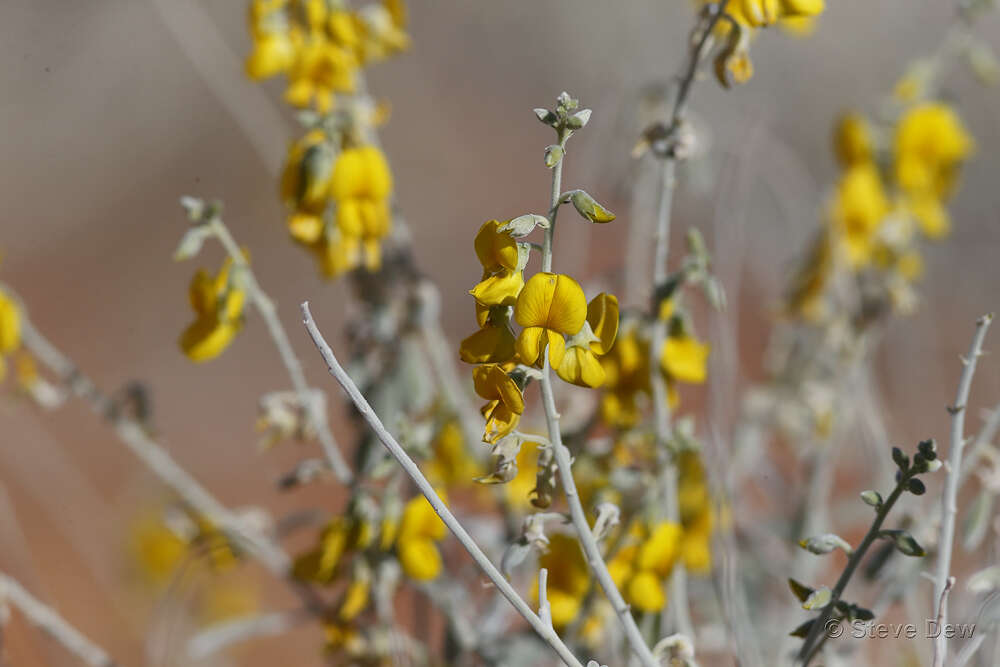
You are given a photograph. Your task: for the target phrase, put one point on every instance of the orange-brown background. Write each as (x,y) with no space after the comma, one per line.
(113,109)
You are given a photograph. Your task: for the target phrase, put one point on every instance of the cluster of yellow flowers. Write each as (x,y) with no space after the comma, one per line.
(626,367)
(643,556)
(336,182)
(339,202)
(218,303)
(359,541)
(739,25)
(320,44)
(884,198)
(10,329)
(554,315)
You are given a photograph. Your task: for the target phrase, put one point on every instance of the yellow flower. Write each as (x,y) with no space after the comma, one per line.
(305,184)
(852,140)
(10,324)
(858,209)
(930,143)
(273,53)
(340,536)
(498,253)
(696,553)
(659,551)
(684,359)
(156,548)
(579,364)
(506,404)
(451,463)
(218,306)
(549,307)
(626,369)
(930,213)
(518,490)
(361,185)
(419,529)
(494,342)
(568,579)
(321,68)
(794,8)
(355,599)
(645,592)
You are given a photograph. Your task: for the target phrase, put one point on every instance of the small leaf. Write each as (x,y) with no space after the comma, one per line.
(588,207)
(803,630)
(818,599)
(801,591)
(916,487)
(861,614)
(904,542)
(824,544)
(873,498)
(191,243)
(546,117)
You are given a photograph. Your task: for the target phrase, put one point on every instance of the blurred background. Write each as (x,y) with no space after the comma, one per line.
(113,109)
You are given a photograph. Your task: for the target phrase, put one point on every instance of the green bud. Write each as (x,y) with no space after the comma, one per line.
(916,487)
(904,542)
(818,599)
(578,120)
(588,207)
(902,460)
(824,544)
(553,155)
(873,498)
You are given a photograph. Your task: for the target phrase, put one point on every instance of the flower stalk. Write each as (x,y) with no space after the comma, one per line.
(588,544)
(949,497)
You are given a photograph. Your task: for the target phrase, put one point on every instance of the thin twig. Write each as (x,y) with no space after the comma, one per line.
(219,636)
(819,631)
(661,404)
(588,544)
(425,487)
(265,306)
(949,497)
(544,610)
(155,457)
(940,644)
(48,620)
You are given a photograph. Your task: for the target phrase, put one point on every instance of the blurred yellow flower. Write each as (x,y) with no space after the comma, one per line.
(852,140)
(419,529)
(930,143)
(10,324)
(218,306)
(858,209)
(684,359)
